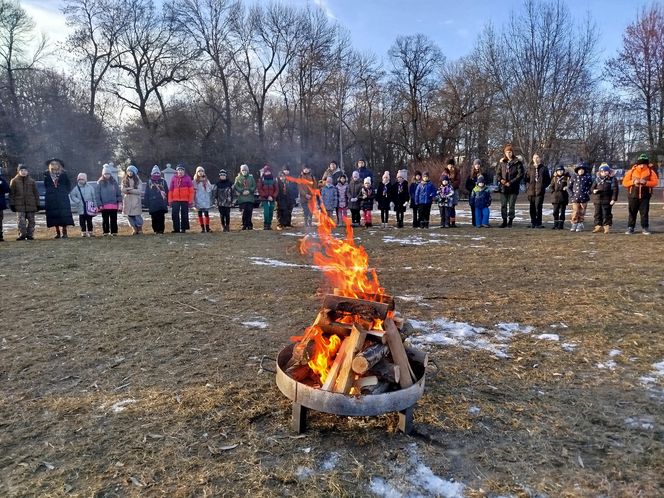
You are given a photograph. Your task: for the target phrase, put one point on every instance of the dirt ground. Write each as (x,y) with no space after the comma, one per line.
(131,366)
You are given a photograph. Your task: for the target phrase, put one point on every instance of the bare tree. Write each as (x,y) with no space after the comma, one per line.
(540,65)
(638,69)
(415,61)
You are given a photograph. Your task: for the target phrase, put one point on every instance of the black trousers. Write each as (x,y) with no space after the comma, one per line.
(158,221)
(85,220)
(507,205)
(247,212)
(641,207)
(399,218)
(384,215)
(445,215)
(109,220)
(355,216)
(423,214)
(180,215)
(559,211)
(284,214)
(603,214)
(225,214)
(416,217)
(536,203)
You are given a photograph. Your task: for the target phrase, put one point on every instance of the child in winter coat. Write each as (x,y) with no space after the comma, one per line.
(131,201)
(4,189)
(471,181)
(454,177)
(354,189)
(401,197)
(24,201)
(202,198)
(425,193)
(223,198)
(480,200)
(306,195)
(640,180)
(604,194)
(109,197)
(384,198)
(267,191)
(329,196)
(180,198)
(84,198)
(559,196)
(366,197)
(446,201)
(156,199)
(342,200)
(579,190)
(413,198)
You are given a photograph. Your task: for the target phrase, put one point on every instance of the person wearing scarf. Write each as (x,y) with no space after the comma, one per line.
(156,199)
(202,198)
(181,198)
(58,207)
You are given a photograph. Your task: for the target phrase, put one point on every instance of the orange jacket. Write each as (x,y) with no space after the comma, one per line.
(182,190)
(640,180)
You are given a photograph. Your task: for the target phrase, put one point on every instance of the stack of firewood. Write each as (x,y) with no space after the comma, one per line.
(371,359)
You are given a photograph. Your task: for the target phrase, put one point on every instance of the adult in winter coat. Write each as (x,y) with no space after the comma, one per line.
(480,200)
(538,180)
(156,200)
(181,199)
(354,189)
(306,194)
(604,195)
(202,198)
(4,189)
(109,197)
(559,196)
(223,198)
(639,181)
(58,208)
(384,196)
(471,181)
(425,193)
(132,206)
(413,198)
(268,190)
(579,195)
(286,199)
(329,196)
(24,201)
(509,174)
(334,171)
(342,199)
(401,194)
(245,188)
(364,171)
(84,198)
(453,174)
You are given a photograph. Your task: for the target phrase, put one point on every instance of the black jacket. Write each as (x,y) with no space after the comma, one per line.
(559,189)
(384,195)
(156,196)
(401,196)
(512,172)
(538,180)
(607,190)
(4,189)
(58,208)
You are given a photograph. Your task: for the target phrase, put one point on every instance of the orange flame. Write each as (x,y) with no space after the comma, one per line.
(324,351)
(344,264)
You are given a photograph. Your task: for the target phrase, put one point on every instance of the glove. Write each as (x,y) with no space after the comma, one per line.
(612,203)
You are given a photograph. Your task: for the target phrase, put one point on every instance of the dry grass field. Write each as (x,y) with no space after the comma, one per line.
(131,366)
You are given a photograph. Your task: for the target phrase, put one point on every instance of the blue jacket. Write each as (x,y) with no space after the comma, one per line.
(579,188)
(480,198)
(364,172)
(330,197)
(425,193)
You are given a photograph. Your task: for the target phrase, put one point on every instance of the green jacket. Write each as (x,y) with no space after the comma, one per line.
(243,183)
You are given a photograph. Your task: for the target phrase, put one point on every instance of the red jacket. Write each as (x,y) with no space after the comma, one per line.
(266,190)
(181,189)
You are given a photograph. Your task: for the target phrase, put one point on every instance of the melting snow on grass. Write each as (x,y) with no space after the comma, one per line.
(256,324)
(644,422)
(444,332)
(275,263)
(414,479)
(654,378)
(549,337)
(120,406)
(412,240)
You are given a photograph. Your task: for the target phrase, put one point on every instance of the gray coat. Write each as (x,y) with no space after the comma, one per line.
(202,194)
(108,194)
(80,195)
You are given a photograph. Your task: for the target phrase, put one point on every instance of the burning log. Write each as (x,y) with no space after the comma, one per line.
(368,310)
(345,378)
(386,371)
(369,357)
(334,369)
(299,373)
(303,350)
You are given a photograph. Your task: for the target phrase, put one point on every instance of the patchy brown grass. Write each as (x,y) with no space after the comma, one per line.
(158,320)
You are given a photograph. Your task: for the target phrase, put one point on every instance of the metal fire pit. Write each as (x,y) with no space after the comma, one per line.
(305,397)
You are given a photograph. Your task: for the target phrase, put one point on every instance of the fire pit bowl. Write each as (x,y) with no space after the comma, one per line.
(305,397)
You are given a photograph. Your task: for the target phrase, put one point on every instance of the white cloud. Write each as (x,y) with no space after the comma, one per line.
(49,21)
(323,5)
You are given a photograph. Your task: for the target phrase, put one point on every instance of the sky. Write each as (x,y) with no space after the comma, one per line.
(453,24)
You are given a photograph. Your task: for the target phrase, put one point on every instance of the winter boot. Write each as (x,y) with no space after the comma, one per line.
(452,222)
(504,223)
(2,239)
(597,229)
(509,223)
(555,225)
(561,225)
(207,228)
(57,233)
(573,229)
(64,233)
(607,228)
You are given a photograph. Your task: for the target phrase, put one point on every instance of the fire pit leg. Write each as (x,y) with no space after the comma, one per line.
(406,420)
(299,421)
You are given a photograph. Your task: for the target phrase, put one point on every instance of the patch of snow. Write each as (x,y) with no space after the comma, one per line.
(275,263)
(380,487)
(304,472)
(255,324)
(615,352)
(411,240)
(331,462)
(409,297)
(558,325)
(514,328)
(548,337)
(607,365)
(474,410)
(568,346)
(119,406)
(645,422)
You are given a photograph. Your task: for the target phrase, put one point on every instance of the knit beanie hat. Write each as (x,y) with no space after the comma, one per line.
(155,170)
(267,170)
(367,180)
(180,167)
(444,178)
(133,169)
(105,170)
(20,167)
(418,173)
(355,175)
(643,159)
(480,179)
(223,172)
(200,169)
(386,176)
(604,167)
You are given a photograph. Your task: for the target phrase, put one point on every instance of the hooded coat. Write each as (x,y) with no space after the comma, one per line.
(202,193)
(58,207)
(181,189)
(242,183)
(538,180)
(640,172)
(607,189)
(559,193)
(401,196)
(579,187)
